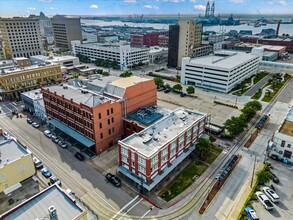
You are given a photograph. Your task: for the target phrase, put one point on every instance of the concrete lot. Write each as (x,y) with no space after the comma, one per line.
(283,209)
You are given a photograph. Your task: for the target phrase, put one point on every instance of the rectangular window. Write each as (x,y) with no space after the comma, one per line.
(124,151)
(100,116)
(113,130)
(109,131)
(289,145)
(112,120)
(108,112)
(101,135)
(112,110)
(101,125)
(155,159)
(141,169)
(283,143)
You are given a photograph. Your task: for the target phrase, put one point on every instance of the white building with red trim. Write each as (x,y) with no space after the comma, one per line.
(149,156)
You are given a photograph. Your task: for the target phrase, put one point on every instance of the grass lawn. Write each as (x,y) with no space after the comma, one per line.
(214,153)
(183,180)
(268,98)
(259,77)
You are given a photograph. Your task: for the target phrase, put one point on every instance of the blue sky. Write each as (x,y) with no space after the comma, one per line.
(112,7)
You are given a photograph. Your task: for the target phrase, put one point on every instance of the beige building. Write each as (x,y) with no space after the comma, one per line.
(189,38)
(66,30)
(14,81)
(16,164)
(20,37)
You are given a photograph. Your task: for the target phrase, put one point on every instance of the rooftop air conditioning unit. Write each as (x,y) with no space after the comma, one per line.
(52,211)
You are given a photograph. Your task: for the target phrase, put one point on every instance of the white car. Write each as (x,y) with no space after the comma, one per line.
(38,164)
(271,194)
(264,200)
(48,133)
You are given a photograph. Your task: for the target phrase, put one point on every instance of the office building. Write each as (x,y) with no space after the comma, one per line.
(93,118)
(66,30)
(14,81)
(184,38)
(125,55)
(163,41)
(221,71)
(280,146)
(51,203)
(158,54)
(145,40)
(148,156)
(21,37)
(16,163)
(215,38)
(46,28)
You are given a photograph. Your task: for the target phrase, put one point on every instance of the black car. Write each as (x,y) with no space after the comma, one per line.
(79,156)
(274,178)
(113,179)
(167,91)
(29,121)
(54,180)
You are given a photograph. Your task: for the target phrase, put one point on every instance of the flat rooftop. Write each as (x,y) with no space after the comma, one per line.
(151,139)
(53,58)
(99,83)
(271,47)
(88,98)
(37,206)
(10,151)
(128,81)
(223,59)
(109,47)
(34,94)
(287,126)
(23,69)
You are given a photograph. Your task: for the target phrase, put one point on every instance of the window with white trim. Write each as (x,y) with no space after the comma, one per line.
(173,152)
(124,151)
(141,169)
(154,159)
(141,161)
(165,151)
(173,145)
(124,159)
(164,159)
(154,167)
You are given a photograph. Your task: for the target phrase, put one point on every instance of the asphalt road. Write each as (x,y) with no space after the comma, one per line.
(259,85)
(86,182)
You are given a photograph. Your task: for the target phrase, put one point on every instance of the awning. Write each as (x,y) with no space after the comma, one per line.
(12,188)
(72,133)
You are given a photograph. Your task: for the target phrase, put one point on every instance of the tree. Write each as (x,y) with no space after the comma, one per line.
(177,88)
(159,81)
(235,125)
(263,176)
(254,105)
(167,86)
(83,58)
(190,90)
(269,92)
(126,74)
(75,75)
(203,147)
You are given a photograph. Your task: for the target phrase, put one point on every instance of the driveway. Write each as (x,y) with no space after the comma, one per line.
(259,85)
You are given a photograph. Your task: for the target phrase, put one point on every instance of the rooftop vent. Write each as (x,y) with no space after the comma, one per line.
(65,87)
(52,211)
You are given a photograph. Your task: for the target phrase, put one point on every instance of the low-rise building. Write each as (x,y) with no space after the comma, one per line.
(201,51)
(221,71)
(34,103)
(16,164)
(281,143)
(125,55)
(214,38)
(22,61)
(148,156)
(158,54)
(14,81)
(51,203)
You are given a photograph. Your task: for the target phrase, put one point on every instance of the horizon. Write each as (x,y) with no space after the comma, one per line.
(146,7)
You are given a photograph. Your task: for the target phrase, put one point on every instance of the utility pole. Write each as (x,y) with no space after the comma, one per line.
(253,172)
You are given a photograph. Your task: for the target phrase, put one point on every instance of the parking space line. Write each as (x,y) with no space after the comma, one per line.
(124,207)
(145,214)
(6,107)
(131,208)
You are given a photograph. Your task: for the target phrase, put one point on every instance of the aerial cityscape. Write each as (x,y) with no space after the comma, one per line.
(146,109)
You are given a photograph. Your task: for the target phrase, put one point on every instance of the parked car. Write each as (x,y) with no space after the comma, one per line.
(274,157)
(113,179)
(62,144)
(54,179)
(70,193)
(48,133)
(79,156)
(46,172)
(183,94)
(274,178)
(167,90)
(251,214)
(35,125)
(271,194)
(55,139)
(159,89)
(264,200)
(29,121)
(38,164)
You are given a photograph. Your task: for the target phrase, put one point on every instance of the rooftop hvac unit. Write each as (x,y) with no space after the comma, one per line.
(52,211)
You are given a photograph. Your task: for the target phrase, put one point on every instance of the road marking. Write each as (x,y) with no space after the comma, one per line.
(6,107)
(131,208)
(105,200)
(124,207)
(147,212)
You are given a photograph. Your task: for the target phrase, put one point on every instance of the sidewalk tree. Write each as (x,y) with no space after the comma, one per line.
(235,125)
(263,176)
(203,147)
(256,105)
(126,74)
(75,75)
(177,88)
(167,86)
(190,90)
(159,81)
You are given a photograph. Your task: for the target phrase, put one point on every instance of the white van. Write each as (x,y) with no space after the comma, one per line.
(271,194)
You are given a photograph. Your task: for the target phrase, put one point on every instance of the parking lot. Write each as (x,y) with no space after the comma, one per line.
(284,208)
(8,107)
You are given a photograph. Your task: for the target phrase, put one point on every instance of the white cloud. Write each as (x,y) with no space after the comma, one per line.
(193,1)
(151,7)
(130,1)
(94,6)
(51,8)
(282,2)
(31,9)
(200,7)
(236,1)
(45,0)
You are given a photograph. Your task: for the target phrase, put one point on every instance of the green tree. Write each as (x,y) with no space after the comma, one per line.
(263,176)
(75,75)
(159,81)
(269,92)
(83,58)
(203,147)
(190,90)
(235,125)
(126,74)
(167,86)
(256,105)
(177,88)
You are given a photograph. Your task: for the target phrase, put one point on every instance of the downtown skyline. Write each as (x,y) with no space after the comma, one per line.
(10,8)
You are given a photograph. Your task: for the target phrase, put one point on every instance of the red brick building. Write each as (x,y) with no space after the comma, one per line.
(148,39)
(92,119)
